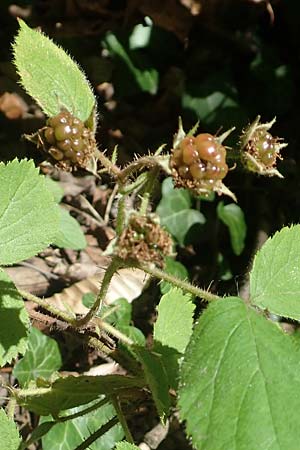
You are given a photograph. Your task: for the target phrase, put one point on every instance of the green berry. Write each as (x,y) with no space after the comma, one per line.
(49,135)
(62,132)
(64,145)
(78,145)
(190,154)
(56,154)
(184,171)
(198,170)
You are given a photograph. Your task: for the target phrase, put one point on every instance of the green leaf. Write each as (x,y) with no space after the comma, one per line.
(233,217)
(41,359)
(121,313)
(70,235)
(173,268)
(45,397)
(9,435)
(146,79)
(29,216)
(156,377)
(14,321)
(54,187)
(275,276)
(126,446)
(240,372)
(174,322)
(176,214)
(50,76)
(135,334)
(68,435)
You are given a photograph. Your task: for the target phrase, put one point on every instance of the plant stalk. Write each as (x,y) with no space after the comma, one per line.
(182,284)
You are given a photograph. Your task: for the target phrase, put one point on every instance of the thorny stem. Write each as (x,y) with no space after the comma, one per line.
(152,177)
(144,161)
(122,419)
(114,332)
(182,284)
(106,162)
(50,308)
(121,216)
(110,271)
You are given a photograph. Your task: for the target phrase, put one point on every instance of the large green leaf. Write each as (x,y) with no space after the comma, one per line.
(41,359)
(240,382)
(126,446)
(9,436)
(176,214)
(70,235)
(175,320)
(50,76)
(14,321)
(46,398)
(68,435)
(233,217)
(275,277)
(156,377)
(29,217)
(172,331)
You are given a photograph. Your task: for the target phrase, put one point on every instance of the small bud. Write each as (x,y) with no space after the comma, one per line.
(260,150)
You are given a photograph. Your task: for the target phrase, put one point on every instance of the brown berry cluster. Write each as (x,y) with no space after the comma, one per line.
(262,147)
(66,139)
(144,240)
(199,162)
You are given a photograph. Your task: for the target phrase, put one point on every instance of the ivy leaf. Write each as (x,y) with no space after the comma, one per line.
(9,435)
(145,78)
(126,446)
(70,235)
(174,322)
(275,276)
(233,217)
(176,214)
(239,372)
(173,268)
(14,321)
(50,76)
(28,214)
(70,434)
(46,397)
(41,359)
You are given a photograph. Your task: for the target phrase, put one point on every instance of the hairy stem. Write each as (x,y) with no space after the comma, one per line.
(152,177)
(106,162)
(182,284)
(110,271)
(50,308)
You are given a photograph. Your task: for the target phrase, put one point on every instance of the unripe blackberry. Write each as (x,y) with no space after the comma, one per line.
(260,150)
(199,163)
(67,140)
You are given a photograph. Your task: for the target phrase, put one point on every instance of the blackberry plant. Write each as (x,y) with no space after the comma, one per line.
(228,373)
